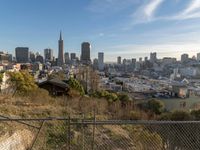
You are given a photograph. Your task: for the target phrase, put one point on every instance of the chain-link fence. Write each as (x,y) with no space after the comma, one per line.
(82,134)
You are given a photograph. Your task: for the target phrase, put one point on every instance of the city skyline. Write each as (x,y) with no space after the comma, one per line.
(131,29)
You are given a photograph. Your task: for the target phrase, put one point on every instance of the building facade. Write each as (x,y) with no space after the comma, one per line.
(67,60)
(101,61)
(198,56)
(119,60)
(22,54)
(153,57)
(4,58)
(73,56)
(48,55)
(85,53)
(184,58)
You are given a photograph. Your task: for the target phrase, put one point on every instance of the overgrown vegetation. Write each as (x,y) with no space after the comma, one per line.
(1,77)
(111,96)
(75,85)
(21,82)
(33,102)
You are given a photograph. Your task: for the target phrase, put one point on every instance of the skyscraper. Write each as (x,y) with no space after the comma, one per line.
(39,58)
(22,54)
(66,57)
(32,57)
(198,56)
(48,54)
(184,57)
(101,61)
(153,57)
(119,60)
(73,56)
(60,51)
(85,53)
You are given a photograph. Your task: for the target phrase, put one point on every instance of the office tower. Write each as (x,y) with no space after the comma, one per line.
(124,61)
(39,58)
(140,59)
(101,61)
(85,53)
(22,54)
(10,58)
(95,64)
(60,51)
(48,55)
(184,57)
(73,56)
(133,60)
(145,58)
(32,57)
(119,60)
(67,58)
(198,56)
(153,57)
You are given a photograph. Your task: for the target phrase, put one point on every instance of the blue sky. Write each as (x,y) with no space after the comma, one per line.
(129,28)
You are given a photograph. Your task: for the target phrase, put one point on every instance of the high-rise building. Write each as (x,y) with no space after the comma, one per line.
(48,55)
(95,64)
(119,60)
(73,56)
(60,51)
(10,57)
(124,61)
(101,61)
(85,53)
(67,58)
(22,54)
(39,58)
(32,57)
(184,57)
(153,57)
(133,60)
(198,56)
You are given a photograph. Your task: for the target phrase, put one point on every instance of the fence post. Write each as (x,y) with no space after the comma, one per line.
(69,133)
(93,132)
(35,138)
(83,132)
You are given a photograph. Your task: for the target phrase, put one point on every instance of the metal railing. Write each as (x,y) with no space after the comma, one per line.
(88,134)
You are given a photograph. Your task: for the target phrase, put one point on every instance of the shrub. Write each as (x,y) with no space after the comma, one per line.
(155,106)
(22,82)
(75,85)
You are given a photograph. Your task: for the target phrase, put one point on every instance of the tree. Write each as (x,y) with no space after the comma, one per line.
(195,114)
(123,97)
(155,106)
(58,75)
(75,85)
(1,77)
(180,116)
(21,82)
(88,78)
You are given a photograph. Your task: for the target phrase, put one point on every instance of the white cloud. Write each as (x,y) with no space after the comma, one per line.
(151,7)
(145,13)
(192,11)
(192,7)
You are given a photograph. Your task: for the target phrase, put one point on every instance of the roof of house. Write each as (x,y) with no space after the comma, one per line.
(56,82)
